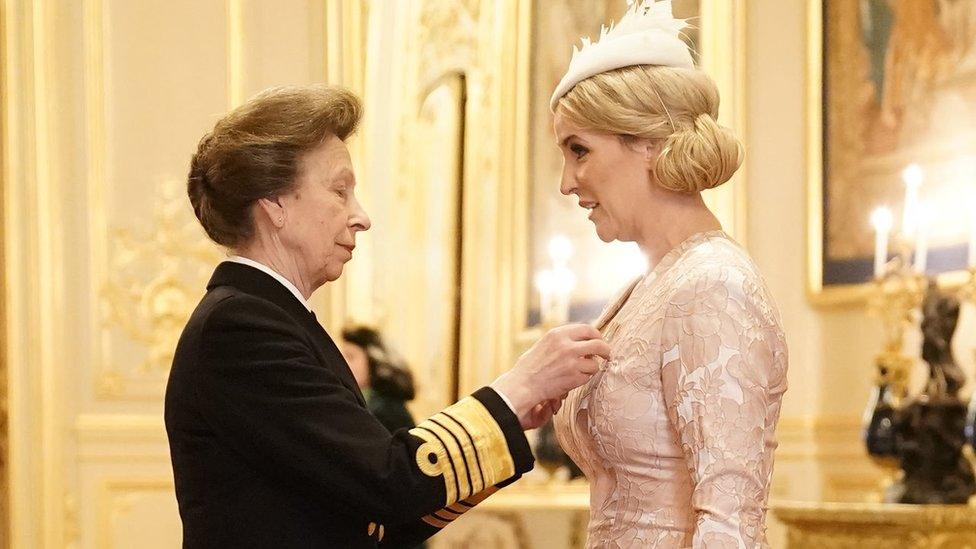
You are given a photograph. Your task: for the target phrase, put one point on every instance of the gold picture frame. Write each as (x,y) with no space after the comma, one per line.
(817,293)
(842,277)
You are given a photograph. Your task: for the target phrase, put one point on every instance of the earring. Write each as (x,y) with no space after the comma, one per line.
(281,220)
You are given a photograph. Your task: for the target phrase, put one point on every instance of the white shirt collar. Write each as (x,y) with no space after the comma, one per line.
(272,273)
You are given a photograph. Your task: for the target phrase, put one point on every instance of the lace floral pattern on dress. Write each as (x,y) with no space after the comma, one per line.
(676,431)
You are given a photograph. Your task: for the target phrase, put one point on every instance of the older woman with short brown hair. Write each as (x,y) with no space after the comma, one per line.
(270,438)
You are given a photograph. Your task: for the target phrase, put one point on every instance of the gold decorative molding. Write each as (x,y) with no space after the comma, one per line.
(819,424)
(345,65)
(496,185)
(4,425)
(831,448)
(428,122)
(483,43)
(806,437)
(483,529)
(431,230)
(861,481)
(141,276)
(34,325)
(151,288)
(121,440)
(869,526)
(116,498)
(112,427)
(72,524)
(346,42)
(723,56)
(448,37)
(816,292)
(108,382)
(525,496)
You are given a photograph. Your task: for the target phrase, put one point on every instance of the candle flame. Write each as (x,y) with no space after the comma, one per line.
(925,214)
(544,281)
(882,219)
(563,281)
(913,175)
(560,249)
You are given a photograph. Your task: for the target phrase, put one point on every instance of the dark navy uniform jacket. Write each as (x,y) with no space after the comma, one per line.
(272,444)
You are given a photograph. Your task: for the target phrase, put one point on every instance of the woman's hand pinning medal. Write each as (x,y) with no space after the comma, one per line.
(563,359)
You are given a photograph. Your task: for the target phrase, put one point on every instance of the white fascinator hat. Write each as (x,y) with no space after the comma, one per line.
(647,34)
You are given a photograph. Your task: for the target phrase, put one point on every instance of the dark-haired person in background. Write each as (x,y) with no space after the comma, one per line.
(385,381)
(387,385)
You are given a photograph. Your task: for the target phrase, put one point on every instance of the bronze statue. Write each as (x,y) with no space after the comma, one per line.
(930,428)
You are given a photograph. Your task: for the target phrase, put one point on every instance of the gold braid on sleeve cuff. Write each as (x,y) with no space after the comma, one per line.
(443,517)
(464,445)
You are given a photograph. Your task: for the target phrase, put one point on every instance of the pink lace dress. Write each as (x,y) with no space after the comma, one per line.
(676,431)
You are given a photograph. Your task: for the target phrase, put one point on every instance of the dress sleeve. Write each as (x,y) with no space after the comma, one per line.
(723,371)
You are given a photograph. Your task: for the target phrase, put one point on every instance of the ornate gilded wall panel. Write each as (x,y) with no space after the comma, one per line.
(102,112)
(436,217)
(128,510)
(4,451)
(421,305)
(154,279)
(344,63)
(149,259)
(450,54)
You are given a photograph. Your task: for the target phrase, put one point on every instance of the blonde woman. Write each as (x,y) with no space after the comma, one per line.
(676,431)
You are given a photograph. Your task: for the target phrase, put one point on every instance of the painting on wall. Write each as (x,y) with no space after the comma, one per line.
(599,269)
(894,108)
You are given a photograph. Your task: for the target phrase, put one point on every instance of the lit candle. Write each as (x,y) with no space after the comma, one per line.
(563,283)
(559,280)
(544,283)
(913,177)
(882,220)
(560,250)
(922,242)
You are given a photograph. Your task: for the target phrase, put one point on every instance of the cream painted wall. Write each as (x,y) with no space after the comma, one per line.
(830,351)
(776,190)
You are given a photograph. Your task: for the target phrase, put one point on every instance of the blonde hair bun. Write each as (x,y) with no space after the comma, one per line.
(677,106)
(699,158)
